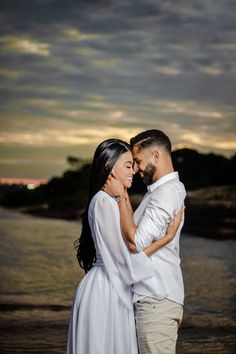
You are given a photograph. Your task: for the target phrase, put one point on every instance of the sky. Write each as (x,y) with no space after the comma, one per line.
(74,73)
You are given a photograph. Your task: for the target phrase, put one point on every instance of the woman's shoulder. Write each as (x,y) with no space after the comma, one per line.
(101,195)
(102,198)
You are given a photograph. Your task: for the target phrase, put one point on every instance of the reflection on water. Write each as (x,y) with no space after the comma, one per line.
(39,273)
(209,269)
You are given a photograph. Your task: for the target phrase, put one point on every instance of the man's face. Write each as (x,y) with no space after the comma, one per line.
(144,164)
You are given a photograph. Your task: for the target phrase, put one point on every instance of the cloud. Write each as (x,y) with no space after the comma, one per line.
(102,112)
(167,70)
(203,140)
(40,102)
(11,74)
(13,161)
(193,138)
(53,137)
(105,64)
(72,34)
(98,105)
(87,51)
(96,65)
(188,108)
(22,45)
(210,70)
(117,114)
(224,46)
(226,145)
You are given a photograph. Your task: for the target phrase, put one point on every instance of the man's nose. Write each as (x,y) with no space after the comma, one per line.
(135,167)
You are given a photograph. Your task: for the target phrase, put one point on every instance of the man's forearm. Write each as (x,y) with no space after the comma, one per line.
(128,227)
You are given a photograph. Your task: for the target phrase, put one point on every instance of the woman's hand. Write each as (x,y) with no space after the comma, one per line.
(114,187)
(174,224)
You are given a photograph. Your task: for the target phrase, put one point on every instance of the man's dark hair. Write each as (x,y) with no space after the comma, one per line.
(150,138)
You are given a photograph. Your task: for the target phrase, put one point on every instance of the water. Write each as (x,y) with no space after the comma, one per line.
(39,274)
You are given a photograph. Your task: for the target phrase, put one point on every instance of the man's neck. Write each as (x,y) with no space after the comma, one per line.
(159,174)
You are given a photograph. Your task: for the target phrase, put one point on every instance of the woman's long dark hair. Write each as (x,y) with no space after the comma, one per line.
(105,157)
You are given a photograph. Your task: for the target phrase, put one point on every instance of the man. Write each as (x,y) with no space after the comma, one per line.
(158,301)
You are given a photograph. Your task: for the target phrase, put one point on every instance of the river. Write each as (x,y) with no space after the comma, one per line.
(39,273)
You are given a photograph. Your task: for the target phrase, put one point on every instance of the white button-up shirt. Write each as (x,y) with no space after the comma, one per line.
(162,201)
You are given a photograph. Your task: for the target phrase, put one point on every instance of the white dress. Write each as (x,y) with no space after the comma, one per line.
(102,318)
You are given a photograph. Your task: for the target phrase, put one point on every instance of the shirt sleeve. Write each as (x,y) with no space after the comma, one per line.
(159,212)
(116,257)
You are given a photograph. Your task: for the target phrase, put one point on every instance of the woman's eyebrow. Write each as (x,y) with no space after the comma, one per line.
(130,162)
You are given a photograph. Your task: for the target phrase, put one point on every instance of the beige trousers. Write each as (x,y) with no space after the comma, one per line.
(157,323)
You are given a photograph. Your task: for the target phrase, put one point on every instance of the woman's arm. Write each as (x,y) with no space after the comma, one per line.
(129,204)
(157,244)
(128,227)
(170,234)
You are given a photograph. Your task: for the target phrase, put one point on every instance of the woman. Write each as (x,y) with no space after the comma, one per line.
(102,319)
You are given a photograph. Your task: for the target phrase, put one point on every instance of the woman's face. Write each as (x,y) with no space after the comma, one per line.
(123,169)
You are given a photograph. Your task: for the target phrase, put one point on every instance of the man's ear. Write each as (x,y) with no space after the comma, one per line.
(155,155)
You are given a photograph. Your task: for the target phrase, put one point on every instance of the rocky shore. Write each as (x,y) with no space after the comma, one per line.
(211,212)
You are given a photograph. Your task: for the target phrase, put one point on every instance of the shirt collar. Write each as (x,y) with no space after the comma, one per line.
(162,180)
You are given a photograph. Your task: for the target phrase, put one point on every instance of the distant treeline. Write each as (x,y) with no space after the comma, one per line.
(69,192)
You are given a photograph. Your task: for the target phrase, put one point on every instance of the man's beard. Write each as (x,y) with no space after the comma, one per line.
(149,173)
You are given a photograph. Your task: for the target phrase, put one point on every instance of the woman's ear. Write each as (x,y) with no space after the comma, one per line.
(109,176)
(112,174)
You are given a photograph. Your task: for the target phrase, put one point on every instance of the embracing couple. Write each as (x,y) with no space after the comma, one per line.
(131,299)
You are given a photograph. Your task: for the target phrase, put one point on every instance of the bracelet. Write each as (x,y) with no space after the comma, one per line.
(118,198)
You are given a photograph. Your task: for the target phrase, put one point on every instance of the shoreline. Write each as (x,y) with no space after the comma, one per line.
(210,212)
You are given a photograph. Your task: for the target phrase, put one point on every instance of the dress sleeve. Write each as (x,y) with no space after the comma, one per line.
(116,257)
